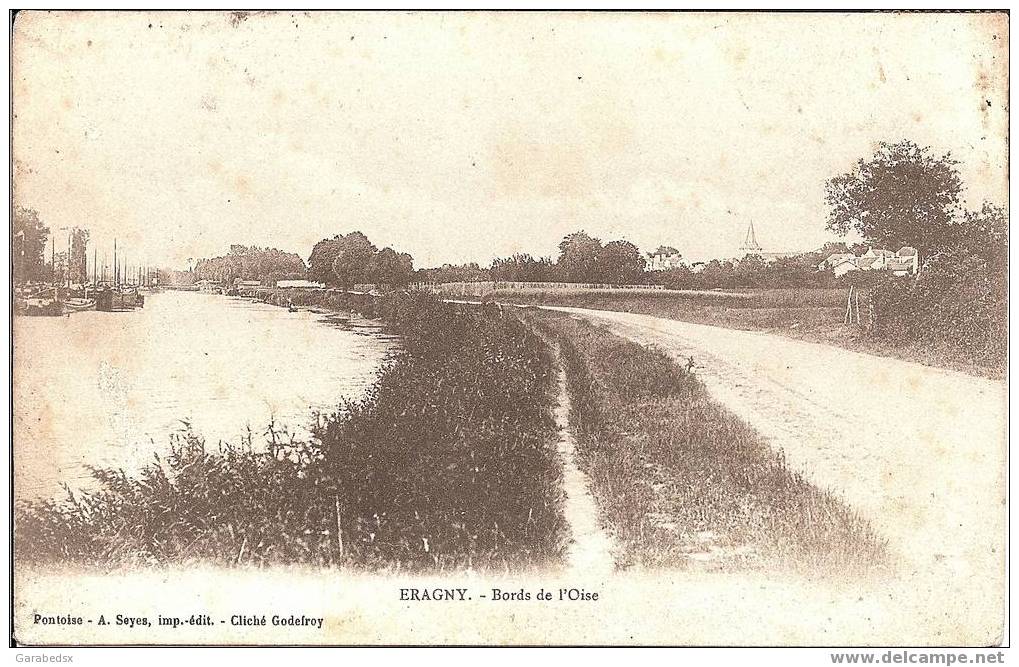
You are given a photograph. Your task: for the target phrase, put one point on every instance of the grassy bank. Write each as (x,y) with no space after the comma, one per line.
(680,481)
(323,299)
(814,315)
(448,462)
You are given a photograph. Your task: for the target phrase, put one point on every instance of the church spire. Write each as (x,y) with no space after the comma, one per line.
(750,245)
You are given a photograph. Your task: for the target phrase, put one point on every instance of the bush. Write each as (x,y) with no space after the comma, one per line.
(956,302)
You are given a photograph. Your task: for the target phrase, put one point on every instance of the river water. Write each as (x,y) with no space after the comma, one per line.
(109,389)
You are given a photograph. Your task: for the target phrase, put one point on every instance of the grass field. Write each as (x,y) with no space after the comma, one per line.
(682,482)
(814,315)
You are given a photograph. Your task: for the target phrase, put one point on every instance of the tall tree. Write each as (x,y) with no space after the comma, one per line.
(320,263)
(29,245)
(620,263)
(902,196)
(578,255)
(389,267)
(79,256)
(351,261)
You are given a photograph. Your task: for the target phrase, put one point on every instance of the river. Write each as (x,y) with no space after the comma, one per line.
(109,389)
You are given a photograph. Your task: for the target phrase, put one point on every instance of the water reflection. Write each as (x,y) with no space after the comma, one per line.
(107,389)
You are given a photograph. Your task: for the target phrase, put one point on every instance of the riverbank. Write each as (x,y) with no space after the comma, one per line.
(324,300)
(224,366)
(447,463)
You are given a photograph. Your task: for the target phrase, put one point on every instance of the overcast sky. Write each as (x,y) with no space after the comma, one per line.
(460,137)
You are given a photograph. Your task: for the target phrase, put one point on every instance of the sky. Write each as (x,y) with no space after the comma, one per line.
(465,136)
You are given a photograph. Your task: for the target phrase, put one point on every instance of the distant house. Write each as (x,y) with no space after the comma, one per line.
(663,259)
(770,257)
(902,263)
(246,284)
(844,265)
(293,284)
(832,260)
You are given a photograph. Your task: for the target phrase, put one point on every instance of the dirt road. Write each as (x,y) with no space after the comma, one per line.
(919,451)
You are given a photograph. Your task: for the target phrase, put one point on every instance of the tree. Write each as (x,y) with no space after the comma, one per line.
(320,263)
(984,233)
(450,273)
(666,250)
(902,196)
(351,261)
(79,256)
(749,271)
(521,268)
(578,255)
(678,277)
(29,246)
(620,263)
(389,267)
(266,265)
(718,274)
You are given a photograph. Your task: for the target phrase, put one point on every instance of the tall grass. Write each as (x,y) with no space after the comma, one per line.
(448,462)
(681,481)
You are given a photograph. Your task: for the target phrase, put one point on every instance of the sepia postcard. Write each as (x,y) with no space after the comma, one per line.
(509,328)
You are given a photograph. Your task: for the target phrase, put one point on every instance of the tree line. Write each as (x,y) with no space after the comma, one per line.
(582,259)
(29,237)
(265,265)
(350,259)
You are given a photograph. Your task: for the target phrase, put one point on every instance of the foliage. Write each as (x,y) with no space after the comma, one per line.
(175,277)
(958,302)
(79,256)
(903,196)
(582,259)
(750,272)
(619,263)
(251,263)
(350,259)
(522,268)
(354,252)
(28,246)
(388,267)
(320,263)
(578,258)
(453,273)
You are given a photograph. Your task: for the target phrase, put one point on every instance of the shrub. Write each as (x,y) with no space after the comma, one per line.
(956,302)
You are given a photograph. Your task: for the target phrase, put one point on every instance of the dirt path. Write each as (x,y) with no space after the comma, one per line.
(590,549)
(918,451)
